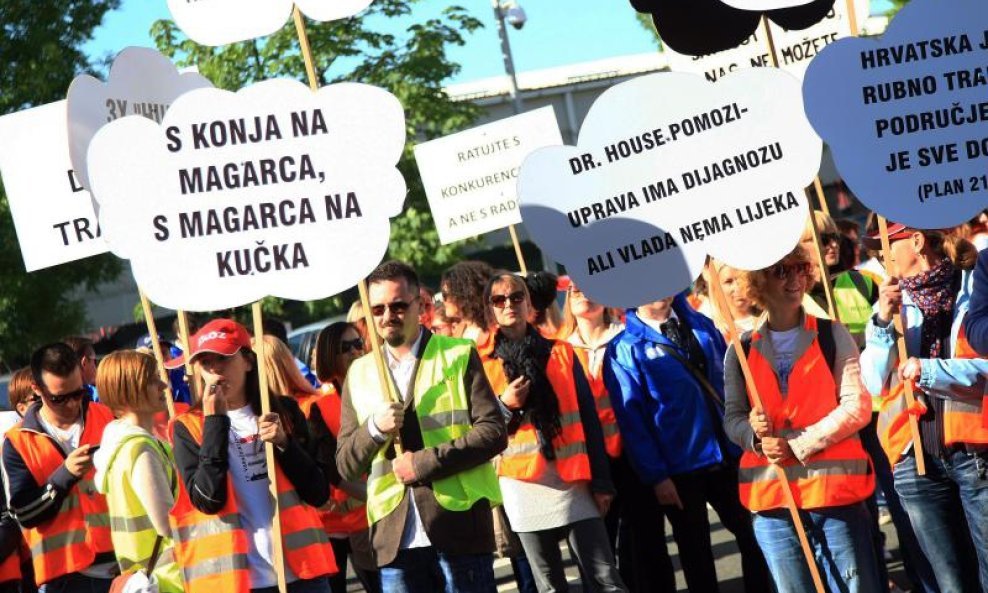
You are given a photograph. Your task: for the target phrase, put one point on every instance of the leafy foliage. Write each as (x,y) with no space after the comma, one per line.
(39,55)
(412,66)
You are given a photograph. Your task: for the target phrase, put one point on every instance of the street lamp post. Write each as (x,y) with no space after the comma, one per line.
(509,64)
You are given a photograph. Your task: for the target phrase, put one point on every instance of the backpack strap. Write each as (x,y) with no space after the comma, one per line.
(825,336)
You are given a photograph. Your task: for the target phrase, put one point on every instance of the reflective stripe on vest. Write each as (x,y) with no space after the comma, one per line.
(442,407)
(853,307)
(212,549)
(608,421)
(523,459)
(81,530)
(132,531)
(963,419)
(348,514)
(840,474)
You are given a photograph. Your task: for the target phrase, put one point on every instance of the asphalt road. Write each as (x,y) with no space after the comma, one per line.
(728,563)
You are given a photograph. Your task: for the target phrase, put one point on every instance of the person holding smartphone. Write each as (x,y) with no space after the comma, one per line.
(48,470)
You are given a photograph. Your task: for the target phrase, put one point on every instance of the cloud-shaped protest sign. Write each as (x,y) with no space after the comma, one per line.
(273,190)
(906,116)
(700,27)
(141,82)
(668,169)
(219,22)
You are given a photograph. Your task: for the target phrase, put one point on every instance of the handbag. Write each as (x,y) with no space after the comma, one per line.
(140,581)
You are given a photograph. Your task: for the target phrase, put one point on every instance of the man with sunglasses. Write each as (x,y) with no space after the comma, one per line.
(48,470)
(429,506)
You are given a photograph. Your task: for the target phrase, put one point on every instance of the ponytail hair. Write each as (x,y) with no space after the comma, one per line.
(955,247)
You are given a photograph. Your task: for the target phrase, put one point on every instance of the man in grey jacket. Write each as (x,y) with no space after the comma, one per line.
(420,543)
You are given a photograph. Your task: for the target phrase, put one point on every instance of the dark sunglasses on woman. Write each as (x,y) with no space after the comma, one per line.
(499,300)
(356,345)
(786,271)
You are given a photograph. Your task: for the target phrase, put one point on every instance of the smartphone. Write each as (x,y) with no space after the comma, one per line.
(93,449)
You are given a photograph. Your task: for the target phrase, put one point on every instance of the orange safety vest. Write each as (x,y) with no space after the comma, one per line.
(839,475)
(70,541)
(523,459)
(212,549)
(964,421)
(349,514)
(10,569)
(602,399)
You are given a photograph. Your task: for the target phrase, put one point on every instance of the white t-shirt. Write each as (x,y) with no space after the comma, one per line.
(249,472)
(784,345)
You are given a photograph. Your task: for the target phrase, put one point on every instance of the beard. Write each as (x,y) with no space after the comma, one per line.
(393,334)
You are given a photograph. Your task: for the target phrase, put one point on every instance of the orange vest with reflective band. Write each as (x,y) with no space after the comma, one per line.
(608,421)
(70,541)
(523,460)
(212,549)
(964,421)
(839,475)
(349,515)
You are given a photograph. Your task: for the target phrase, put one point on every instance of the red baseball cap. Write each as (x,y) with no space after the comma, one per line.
(897,231)
(220,336)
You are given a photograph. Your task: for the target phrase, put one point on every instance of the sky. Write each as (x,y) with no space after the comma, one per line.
(558,32)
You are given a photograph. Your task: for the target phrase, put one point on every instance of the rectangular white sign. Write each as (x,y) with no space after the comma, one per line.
(794,48)
(470,176)
(52,214)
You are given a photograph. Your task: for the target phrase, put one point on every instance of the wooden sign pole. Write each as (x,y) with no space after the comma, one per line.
(262,376)
(900,342)
(156,348)
(720,302)
(518,253)
(828,291)
(382,370)
(183,336)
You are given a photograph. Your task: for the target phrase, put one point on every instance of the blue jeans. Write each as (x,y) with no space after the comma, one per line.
(424,570)
(955,546)
(840,540)
(76,582)
(316,585)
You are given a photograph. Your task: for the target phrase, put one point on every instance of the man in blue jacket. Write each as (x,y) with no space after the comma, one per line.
(976,321)
(665,375)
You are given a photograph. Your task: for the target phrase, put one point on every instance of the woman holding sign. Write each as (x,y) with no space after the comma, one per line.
(554,474)
(806,372)
(224,513)
(948,505)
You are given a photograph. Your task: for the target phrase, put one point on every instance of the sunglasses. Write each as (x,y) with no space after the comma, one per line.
(828,238)
(397,307)
(787,271)
(356,345)
(501,300)
(57,400)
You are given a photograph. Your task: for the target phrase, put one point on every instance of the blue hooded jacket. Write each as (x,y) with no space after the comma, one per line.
(664,415)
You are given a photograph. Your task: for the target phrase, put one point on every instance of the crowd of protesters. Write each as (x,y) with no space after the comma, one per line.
(497,423)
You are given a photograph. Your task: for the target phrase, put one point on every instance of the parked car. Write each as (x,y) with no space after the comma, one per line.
(302,341)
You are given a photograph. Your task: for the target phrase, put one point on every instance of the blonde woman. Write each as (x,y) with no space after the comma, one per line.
(134,469)
(284,377)
(743,310)
(807,374)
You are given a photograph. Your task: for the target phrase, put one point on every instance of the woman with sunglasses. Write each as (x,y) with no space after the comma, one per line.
(135,470)
(224,488)
(554,474)
(807,375)
(854,293)
(948,505)
(345,515)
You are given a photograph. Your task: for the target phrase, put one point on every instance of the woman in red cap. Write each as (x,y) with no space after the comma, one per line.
(224,516)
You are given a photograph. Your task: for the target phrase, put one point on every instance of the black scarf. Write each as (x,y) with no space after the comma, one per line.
(529,357)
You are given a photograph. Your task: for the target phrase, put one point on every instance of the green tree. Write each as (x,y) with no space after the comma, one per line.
(40,54)
(413,66)
(646,22)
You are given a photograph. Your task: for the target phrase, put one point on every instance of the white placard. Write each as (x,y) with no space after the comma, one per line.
(53,214)
(470,176)
(670,168)
(795,49)
(141,82)
(761,5)
(219,22)
(274,190)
